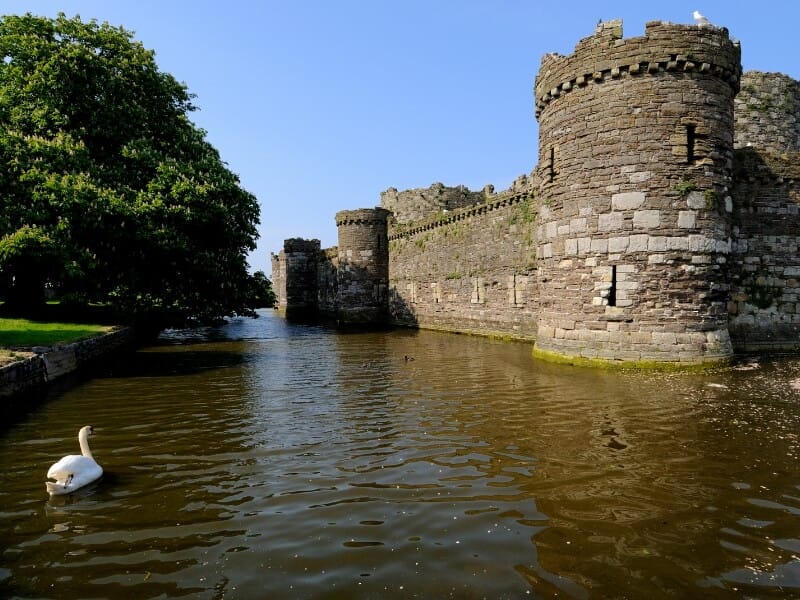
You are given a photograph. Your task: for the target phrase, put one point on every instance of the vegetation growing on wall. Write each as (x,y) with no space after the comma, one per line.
(684,187)
(761,295)
(522,213)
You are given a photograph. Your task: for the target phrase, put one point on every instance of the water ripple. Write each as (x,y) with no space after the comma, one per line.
(269,459)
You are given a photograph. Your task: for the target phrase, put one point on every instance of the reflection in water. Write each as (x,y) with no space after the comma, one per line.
(265,459)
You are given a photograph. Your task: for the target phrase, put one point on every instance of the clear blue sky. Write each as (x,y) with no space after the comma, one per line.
(320,105)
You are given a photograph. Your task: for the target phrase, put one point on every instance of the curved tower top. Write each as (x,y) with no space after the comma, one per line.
(664,47)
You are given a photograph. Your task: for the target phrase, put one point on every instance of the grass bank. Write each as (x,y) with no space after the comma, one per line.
(19,335)
(24,333)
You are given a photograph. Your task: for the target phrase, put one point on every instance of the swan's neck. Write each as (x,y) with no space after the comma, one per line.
(83,440)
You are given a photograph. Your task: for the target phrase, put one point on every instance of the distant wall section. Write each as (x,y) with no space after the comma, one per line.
(294,277)
(767,112)
(764,307)
(409,206)
(470,270)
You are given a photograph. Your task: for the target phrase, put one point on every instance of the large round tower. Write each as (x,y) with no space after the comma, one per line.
(635,161)
(363,273)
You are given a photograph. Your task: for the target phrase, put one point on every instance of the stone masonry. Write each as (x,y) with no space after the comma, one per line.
(634,135)
(661,224)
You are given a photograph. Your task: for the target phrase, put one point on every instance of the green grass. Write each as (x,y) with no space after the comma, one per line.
(24,333)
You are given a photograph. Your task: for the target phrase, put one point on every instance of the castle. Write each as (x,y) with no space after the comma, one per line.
(661,224)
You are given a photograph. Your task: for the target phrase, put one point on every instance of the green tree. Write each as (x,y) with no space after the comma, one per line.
(262,294)
(101,164)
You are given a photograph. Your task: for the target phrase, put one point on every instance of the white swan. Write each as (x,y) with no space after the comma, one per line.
(75,470)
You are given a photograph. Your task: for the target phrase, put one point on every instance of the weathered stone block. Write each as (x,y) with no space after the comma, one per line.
(695,200)
(646,219)
(618,244)
(657,243)
(701,243)
(677,243)
(609,222)
(638,243)
(577,225)
(640,177)
(687,219)
(664,339)
(599,246)
(627,200)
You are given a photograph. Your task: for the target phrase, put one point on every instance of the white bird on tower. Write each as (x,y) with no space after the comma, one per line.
(700,19)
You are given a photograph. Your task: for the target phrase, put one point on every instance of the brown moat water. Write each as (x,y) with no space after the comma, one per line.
(270,460)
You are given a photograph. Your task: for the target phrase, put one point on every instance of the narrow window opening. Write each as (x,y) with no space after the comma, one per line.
(552,164)
(612,292)
(690,138)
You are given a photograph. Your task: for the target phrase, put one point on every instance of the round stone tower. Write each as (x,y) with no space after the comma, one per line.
(635,163)
(363,273)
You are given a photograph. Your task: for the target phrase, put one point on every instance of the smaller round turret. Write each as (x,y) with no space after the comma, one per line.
(363,273)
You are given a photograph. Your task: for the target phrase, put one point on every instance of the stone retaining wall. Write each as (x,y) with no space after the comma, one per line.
(33,374)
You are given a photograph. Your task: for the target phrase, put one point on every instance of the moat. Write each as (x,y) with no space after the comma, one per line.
(266,459)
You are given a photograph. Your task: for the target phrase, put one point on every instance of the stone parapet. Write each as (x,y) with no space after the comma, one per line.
(665,48)
(501,200)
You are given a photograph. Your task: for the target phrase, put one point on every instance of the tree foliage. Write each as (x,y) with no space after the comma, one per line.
(108,191)
(262,293)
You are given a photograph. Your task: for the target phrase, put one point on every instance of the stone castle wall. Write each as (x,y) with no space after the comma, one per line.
(414,205)
(473,269)
(294,274)
(764,303)
(764,270)
(641,235)
(768,112)
(328,281)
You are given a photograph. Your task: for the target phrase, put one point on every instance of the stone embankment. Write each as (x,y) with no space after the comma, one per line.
(48,364)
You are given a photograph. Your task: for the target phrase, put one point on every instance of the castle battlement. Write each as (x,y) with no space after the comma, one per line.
(665,47)
(443,218)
